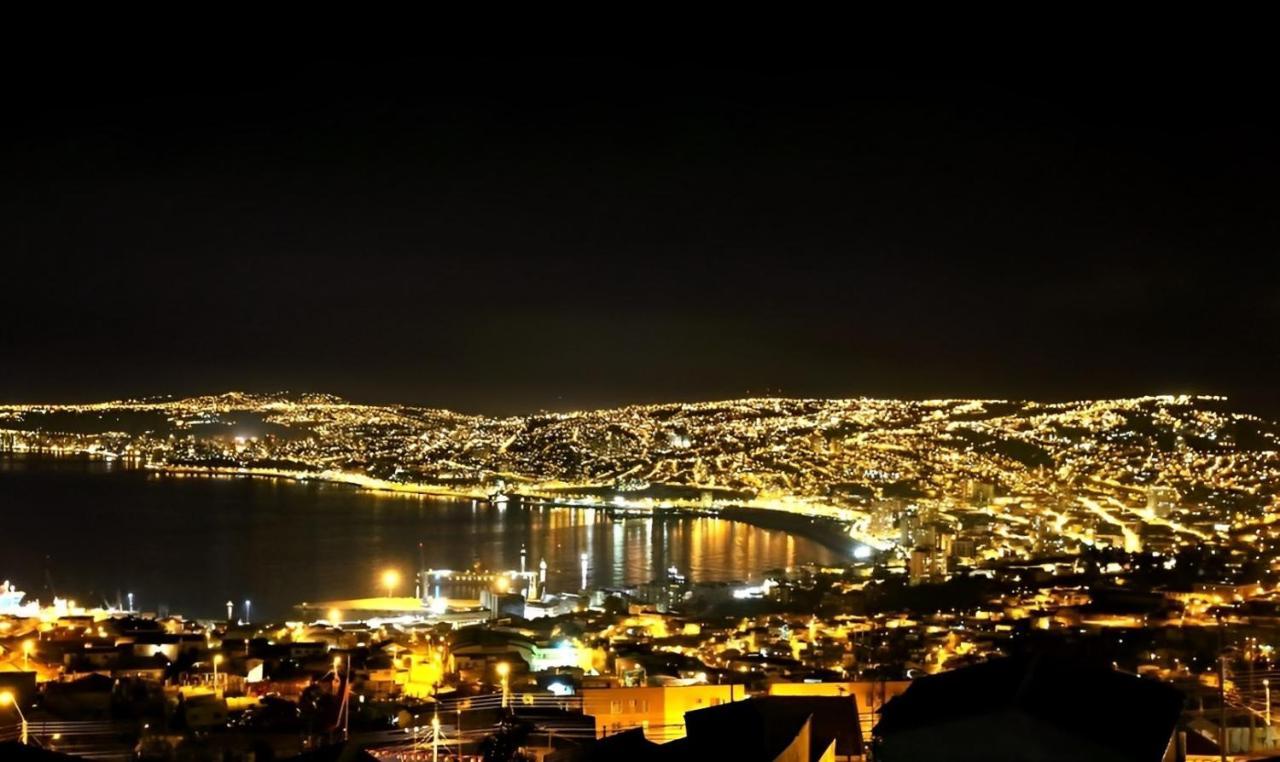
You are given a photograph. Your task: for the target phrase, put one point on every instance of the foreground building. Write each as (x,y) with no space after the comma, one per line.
(1031,709)
(765,729)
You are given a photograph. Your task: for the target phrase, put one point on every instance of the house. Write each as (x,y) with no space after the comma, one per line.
(1031,708)
(870,694)
(89,696)
(773,730)
(204,712)
(776,729)
(627,746)
(828,724)
(659,710)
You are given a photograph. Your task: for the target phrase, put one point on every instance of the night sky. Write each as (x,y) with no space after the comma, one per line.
(511,235)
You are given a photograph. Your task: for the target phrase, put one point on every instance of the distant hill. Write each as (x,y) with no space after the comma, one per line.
(851,452)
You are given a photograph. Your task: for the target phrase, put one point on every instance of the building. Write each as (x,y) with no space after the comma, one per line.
(773,729)
(659,711)
(1162,501)
(1031,708)
(870,695)
(926,565)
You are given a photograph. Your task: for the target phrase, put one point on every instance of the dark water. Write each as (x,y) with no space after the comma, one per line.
(94,530)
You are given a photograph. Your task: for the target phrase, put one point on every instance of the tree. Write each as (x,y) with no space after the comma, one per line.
(503,745)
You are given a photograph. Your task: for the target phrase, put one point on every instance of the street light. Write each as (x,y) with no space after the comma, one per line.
(390,578)
(28,647)
(1266,686)
(6,698)
(217,659)
(504,671)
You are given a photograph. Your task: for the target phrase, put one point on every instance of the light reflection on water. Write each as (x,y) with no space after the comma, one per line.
(97,530)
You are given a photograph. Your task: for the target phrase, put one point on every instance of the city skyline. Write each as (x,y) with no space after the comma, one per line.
(915,405)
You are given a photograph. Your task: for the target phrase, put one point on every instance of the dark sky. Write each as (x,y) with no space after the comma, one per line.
(509,235)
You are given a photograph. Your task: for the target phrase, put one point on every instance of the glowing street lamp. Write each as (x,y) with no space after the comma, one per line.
(1266,686)
(7,698)
(28,647)
(390,578)
(217,659)
(504,672)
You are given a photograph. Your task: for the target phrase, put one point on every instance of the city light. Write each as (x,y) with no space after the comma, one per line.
(891,408)
(390,579)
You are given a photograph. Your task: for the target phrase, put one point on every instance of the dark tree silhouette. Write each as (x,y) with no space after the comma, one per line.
(503,745)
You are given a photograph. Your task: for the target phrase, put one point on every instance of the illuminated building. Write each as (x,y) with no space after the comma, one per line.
(659,711)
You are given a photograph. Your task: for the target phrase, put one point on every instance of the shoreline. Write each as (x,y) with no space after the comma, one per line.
(825,530)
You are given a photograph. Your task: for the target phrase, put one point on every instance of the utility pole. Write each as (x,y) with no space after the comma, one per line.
(1222,705)
(1266,687)
(1252,734)
(346,704)
(1222,692)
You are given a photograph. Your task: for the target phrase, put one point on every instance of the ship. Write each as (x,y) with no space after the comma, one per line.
(11,601)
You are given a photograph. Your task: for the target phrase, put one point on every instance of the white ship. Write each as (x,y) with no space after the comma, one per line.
(11,601)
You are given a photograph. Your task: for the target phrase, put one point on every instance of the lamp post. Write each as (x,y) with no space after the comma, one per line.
(504,671)
(8,698)
(28,646)
(390,578)
(346,704)
(217,659)
(248,610)
(435,739)
(1266,687)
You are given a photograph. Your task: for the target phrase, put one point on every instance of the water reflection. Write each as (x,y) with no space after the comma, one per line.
(98,531)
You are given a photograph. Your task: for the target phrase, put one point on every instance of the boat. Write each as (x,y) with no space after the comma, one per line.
(11,601)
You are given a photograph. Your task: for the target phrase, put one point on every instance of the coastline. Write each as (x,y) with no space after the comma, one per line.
(822,526)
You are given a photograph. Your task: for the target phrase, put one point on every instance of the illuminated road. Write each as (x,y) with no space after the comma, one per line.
(1132,542)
